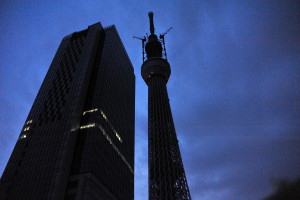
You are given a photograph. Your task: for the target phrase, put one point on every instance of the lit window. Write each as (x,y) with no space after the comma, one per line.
(29,121)
(23,136)
(119,138)
(89,111)
(87,126)
(103,115)
(111,126)
(115,148)
(26,129)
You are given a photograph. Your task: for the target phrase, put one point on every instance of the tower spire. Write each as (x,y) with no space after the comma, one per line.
(150,14)
(153,47)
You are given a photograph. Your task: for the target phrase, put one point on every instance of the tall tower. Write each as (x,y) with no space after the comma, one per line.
(167,178)
(78,140)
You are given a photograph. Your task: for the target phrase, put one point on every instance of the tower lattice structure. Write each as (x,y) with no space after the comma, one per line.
(167,179)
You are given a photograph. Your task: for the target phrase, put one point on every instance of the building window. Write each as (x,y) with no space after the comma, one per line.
(115,148)
(23,136)
(118,136)
(26,129)
(87,126)
(29,121)
(89,111)
(111,126)
(103,115)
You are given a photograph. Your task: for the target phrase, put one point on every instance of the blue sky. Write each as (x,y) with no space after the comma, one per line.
(234,88)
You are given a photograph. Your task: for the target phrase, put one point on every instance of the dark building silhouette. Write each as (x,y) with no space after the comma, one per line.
(78,139)
(167,178)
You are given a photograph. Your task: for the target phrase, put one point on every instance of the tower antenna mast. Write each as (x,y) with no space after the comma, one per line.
(162,36)
(143,45)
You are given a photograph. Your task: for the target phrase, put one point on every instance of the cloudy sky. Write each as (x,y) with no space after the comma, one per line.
(234,88)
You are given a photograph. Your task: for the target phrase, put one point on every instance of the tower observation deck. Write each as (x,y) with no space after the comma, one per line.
(167,178)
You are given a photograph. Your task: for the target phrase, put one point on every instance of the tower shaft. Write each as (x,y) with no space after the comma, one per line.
(167,178)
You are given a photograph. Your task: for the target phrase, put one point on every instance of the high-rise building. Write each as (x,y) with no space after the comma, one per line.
(167,178)
(78,139)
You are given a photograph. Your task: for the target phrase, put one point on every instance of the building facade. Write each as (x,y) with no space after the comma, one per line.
(78,139)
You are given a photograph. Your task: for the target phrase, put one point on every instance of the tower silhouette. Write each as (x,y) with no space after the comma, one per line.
(167,178)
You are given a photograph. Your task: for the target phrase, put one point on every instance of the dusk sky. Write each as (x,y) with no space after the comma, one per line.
(234,88)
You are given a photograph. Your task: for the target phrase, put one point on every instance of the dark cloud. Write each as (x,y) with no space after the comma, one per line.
(285,189)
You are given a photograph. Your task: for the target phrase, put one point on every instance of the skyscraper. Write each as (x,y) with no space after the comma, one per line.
(78,139)
(167,178)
